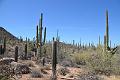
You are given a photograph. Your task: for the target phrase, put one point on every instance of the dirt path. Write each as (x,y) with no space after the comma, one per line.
(73,71)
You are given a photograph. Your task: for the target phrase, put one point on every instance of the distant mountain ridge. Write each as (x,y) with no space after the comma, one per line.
(8,35)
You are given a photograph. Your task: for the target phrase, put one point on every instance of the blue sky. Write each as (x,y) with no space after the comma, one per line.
(74,19)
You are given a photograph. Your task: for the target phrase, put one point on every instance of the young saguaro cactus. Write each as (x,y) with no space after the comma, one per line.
(54,60)
(16,53)
(26,49)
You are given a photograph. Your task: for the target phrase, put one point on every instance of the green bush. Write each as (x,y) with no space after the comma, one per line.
(98,61)
(115,62)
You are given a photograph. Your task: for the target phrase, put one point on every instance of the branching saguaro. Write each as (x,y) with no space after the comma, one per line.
(16,53)
(54,60)
(39,41)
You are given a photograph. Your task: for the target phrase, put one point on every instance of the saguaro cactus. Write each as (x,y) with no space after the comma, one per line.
(54,60)
(107,30)
(26,49)
(39,41)
(40,29)
(44,36)
(16,53)
(40,33)
(37,36)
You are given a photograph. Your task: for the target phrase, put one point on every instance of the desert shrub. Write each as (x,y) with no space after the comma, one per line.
(63,71)
(115,62)
(36,74)
(89,76)
(67,63)
(100,63)
(80,58)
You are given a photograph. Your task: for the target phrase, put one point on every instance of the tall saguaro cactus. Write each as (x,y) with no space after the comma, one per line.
(16,53)
(40,29)
(39,40)
(107,30)
(40,34)
(54,60)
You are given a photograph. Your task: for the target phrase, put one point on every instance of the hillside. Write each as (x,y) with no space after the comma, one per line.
(7,34)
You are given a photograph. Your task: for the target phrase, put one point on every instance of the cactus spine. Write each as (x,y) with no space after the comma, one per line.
(54,60)
(16,53)
(107,30)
